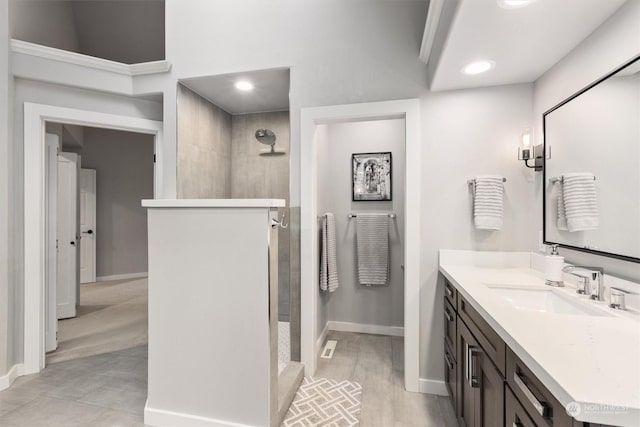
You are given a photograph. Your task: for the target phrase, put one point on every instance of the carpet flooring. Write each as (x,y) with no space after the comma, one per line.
(111,316)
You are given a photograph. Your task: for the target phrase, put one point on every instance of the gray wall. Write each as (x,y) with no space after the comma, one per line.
(124,176)
(264,176)
(352,302)
(204,148)
(467,133)
(49,23)
(123,31)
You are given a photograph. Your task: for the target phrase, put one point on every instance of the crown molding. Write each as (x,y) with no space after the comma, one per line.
(430,29)
(144,68)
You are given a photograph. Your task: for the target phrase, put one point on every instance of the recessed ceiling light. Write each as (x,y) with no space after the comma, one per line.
(478,67)
(514,4)
(244,85)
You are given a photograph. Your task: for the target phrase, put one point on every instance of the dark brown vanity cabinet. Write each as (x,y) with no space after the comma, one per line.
(480,386)
(488,384)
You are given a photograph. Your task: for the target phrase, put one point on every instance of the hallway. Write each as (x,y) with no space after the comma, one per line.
(112,316)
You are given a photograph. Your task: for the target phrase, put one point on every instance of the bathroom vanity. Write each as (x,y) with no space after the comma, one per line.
(521,353)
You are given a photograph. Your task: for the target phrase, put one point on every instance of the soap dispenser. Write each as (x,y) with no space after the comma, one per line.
(553,264)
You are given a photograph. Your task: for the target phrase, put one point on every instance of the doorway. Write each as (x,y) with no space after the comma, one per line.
(314,327)
(35,118)
(96,179)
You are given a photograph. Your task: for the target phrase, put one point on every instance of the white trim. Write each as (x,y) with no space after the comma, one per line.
(430,29)
(363,328)
(35,117)
(122,276)
(159,417)
(320,342)
(409,109)
(33,49)
(433,387)
(7,379)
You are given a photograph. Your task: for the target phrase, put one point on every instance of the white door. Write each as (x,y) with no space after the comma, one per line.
(87,225)
(51,317)
(67,224)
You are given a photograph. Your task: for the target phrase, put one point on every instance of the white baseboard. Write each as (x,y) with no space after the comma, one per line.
(363,328)
(433,387)
(162,418)
(8,379)
(122,276)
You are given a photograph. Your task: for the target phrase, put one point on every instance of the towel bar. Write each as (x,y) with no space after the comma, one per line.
(560,178)
(391,215)
(473,181)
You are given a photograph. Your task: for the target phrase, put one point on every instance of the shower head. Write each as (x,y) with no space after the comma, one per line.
(266,137)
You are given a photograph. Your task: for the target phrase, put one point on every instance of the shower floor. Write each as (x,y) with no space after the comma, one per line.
(284,345)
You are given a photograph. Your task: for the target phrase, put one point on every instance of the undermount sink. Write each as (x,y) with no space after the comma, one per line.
(545,301)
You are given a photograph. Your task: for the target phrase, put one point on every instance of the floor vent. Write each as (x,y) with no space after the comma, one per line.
(329,348)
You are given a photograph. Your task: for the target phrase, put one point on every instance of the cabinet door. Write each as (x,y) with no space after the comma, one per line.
(490,398)
(514,413)
(467,385)
(450,327)
(450,376)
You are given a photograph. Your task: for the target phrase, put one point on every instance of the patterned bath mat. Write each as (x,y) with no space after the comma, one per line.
(326,403)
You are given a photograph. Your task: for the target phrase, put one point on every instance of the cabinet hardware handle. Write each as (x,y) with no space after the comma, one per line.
(448,315)
(470,365)
(449,291)
(540,407)
(448,361)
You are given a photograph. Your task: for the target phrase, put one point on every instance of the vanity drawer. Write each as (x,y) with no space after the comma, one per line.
(450,376)
(514,413)
(450,326)
(535,398)
(490,341)
(450,293)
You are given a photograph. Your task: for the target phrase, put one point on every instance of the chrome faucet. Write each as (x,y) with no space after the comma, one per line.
(589,280)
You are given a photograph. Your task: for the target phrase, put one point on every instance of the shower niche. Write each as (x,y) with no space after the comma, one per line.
(233,143)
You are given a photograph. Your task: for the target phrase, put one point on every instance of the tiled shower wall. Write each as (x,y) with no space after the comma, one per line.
(204,148)
(255,174)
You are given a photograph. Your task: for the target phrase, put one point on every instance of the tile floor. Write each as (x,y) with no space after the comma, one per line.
(111,316)
(376,362)
(106,390)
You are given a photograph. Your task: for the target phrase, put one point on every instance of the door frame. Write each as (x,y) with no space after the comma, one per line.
(35,118)
(409,110)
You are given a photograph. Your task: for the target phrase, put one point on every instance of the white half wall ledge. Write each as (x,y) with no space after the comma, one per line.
(7,379)
(120,277)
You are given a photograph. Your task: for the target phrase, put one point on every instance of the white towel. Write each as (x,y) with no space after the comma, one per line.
(562,215)
(372,244)
(487,202)
(329,262)
(580,201)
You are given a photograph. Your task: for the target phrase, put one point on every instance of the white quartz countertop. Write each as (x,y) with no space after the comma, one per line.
(591,360)
(214,203)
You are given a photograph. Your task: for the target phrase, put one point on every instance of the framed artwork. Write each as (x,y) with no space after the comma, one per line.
(371,174)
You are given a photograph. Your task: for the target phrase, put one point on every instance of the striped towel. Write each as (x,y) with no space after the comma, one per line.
(487,202)
(562,215)
(580,201)
(372,244)
(329,262)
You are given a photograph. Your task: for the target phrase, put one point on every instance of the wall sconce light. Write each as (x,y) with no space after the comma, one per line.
(527,151)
